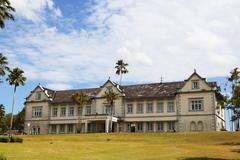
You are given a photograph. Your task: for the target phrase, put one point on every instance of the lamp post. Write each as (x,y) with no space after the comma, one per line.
(28,125)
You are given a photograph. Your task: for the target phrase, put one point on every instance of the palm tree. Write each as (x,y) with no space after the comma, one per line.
(121,69)
(81,99)
(2,112)
(5,12)
(3,65)
(15,78)
(110,96)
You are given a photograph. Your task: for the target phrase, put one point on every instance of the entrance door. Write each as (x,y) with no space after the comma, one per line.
(132,128)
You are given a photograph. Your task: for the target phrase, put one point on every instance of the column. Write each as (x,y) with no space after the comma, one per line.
(106,125)
(86,126)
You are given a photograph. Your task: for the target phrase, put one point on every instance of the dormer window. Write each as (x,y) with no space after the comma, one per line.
(195,85)
(38,96)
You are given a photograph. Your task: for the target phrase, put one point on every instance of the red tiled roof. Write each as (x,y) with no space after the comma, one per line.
(65,96)
(151,90)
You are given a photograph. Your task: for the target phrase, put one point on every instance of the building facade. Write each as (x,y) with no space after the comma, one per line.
(189,105)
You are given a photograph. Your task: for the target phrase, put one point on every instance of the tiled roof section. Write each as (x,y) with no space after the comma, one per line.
(152,90)
(65,96)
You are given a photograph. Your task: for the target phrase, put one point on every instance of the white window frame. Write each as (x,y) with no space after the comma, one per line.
(196,104)
(54,112)
(140,126)
(195,84)
(60,129)
(70,128)
(139,105)
(54,128)
(38,96)
(160,126)
(172,107)
(130,108)
(149,126)
(171,126)
(63,111)
(88,110)
(149,105)
(37,111)
(160,105)
(71,111)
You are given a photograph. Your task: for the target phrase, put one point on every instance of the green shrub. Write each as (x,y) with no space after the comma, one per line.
(16,140)
(2,157)
(4,140)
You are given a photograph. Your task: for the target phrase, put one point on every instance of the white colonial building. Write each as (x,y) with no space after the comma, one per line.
(189,105)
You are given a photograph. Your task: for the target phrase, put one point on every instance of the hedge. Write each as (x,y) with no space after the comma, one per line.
(12,140)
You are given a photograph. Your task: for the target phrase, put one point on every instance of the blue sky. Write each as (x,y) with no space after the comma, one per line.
(75,43)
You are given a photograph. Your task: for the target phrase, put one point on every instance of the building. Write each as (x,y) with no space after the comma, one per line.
(188,105)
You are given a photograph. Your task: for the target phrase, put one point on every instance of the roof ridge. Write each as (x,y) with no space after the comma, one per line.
(152,83)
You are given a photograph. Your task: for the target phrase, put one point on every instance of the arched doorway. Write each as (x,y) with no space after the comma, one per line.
(200,126)
(193,126)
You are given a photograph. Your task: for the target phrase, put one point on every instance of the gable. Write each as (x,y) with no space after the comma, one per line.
(104,88)
(38,94)
(195,78)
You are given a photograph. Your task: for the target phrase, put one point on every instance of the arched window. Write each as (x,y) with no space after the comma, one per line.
(193,126)
(200,126)
(35,130)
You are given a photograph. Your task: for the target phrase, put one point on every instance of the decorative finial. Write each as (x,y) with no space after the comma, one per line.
(195,71)
(109,78)
(161,79)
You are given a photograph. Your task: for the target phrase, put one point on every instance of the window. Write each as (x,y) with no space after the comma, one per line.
(88,110)
(150,107)
(195,85)
(70,128)
(55,112)
(170,107)
(140,126)
(37,112)
(62,128)
(35,130)
(79,111)
(54,128)
(160,107)
(196,104)
(38,96)
(129,108)
(71,111)
(171,126)
(149,126)
(63,111)
(160,126)
(139,108)
(107,109)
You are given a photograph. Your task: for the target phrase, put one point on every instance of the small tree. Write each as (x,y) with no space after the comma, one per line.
(5,12)
(16,79)
(81,99)
(121,69)
(110,96)
(234,100)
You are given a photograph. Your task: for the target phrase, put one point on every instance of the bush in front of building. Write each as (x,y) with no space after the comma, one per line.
(12,140)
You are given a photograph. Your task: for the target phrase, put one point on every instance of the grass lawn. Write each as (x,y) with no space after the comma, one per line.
(154,146)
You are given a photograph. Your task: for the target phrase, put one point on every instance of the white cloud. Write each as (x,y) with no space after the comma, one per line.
(34,9)
(168,38)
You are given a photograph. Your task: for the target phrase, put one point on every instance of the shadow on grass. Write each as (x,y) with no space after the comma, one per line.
(231,143)
(205,158)
(236,150)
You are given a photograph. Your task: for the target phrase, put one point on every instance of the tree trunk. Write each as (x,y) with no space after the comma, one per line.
(111,118)
(120,79)
(13,103)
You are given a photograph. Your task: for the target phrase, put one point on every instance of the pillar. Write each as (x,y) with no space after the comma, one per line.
(86,126)
(106,125)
